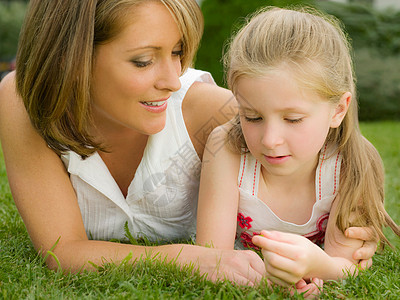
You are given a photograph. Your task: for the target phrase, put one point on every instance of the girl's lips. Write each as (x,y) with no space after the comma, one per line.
(276,160)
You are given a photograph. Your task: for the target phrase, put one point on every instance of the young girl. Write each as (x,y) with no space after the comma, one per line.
(294,159)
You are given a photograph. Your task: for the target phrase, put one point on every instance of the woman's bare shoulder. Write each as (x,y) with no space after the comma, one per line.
(12,110)
(211,100)
(19,139)
(14,120)
(8,91)
(205,107)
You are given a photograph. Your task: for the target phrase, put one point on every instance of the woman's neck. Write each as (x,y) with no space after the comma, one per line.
(124,149)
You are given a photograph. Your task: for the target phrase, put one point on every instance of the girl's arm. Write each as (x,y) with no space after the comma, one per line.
(291,257)
(48,205)
(218,195)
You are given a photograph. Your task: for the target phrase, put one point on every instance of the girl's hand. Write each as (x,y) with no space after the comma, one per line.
(288,257)
(368,249)
(311,290)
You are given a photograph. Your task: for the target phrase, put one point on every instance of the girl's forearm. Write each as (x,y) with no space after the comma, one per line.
(332,268)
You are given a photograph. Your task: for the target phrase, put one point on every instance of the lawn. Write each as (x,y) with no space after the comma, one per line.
(24,276)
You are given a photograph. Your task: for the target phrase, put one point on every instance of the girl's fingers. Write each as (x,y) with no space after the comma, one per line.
(280,236)
(282,248)
(307,290)
(365,264)
(319,283)
(278,281)
(301,284)
(284,274)
(279,262)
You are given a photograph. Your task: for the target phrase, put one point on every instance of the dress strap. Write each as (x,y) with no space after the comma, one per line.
(249,174)
(328,173)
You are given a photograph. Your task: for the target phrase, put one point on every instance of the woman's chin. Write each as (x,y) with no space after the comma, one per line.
(153,127)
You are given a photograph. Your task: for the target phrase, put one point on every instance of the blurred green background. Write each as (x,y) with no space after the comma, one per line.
(375,34)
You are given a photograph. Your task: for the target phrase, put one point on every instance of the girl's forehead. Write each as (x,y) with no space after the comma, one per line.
(278,91)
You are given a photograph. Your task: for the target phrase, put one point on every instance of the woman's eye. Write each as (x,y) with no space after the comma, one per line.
(141,64)
(177,53)
(248,119)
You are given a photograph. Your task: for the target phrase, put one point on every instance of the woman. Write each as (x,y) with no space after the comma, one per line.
(108,133)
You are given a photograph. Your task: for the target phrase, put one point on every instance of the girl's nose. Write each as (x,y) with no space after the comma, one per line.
(272,136)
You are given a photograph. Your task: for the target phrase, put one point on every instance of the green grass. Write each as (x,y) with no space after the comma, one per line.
(24,276)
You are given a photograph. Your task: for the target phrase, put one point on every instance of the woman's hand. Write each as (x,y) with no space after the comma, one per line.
(243,267)
(368,249)
(288,257)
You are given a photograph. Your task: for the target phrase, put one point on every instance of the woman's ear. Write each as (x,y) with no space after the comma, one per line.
(341,110)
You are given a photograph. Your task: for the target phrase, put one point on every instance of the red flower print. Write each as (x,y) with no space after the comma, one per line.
(244,221)
(246,240)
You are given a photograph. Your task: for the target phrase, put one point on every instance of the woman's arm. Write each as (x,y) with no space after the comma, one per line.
(48,206)
(369,238)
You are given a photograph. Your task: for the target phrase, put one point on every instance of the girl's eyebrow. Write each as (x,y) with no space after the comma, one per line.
(243,103)
(247,110)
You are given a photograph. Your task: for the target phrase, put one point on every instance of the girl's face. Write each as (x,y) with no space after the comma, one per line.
(136,73)
(284,125)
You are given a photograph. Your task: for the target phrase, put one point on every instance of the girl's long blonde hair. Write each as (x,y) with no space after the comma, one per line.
(55,59)
(317,50)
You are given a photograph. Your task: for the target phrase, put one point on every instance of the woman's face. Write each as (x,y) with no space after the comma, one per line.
(136,73)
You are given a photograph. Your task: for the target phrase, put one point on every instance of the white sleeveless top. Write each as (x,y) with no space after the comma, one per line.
(161,201)
(254,215)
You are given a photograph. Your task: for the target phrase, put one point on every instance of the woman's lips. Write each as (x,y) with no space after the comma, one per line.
(155,106)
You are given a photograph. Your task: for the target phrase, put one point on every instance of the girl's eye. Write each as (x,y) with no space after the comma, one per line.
(253,119)
(294,121)
(141,64)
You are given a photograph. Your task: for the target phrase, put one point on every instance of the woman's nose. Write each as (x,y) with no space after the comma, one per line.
(168,78)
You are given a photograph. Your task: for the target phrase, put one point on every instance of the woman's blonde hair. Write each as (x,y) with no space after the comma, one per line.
(315,47)
(55,59)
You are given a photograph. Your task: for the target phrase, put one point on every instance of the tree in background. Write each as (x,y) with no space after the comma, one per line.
(222,18)
(375,36)
(11,16)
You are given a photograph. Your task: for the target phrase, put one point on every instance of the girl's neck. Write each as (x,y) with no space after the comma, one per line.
(290,197)
(303,177)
